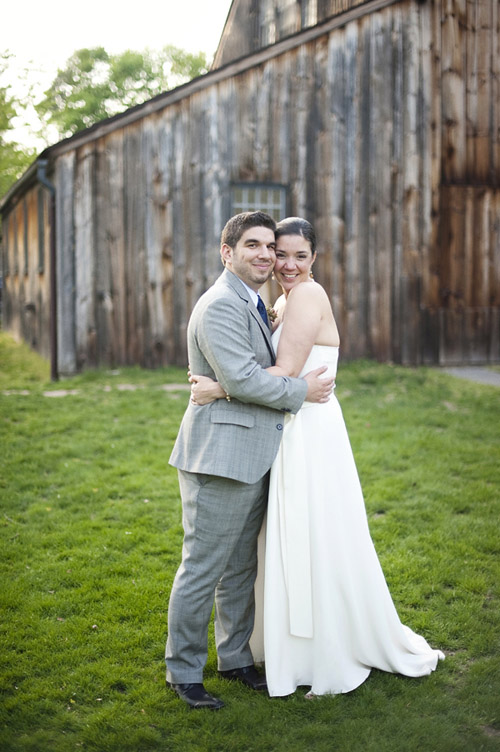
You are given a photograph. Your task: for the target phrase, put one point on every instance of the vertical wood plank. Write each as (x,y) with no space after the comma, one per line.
(494,279)
(282,117)
(154,345)
(353,345)
(220,158)
(411,271)
(451,333)
(479,89)
(468,286)
(320,209)
(457,209)
(109,259)
(380,176)
(338,138)
(397,190)
(362,194)
(181,218)
(427,178)
(85,322)
(453,89)
(431,289)
(65,264)
(164,196)
(494,79)
(264,97)
(494,250)
(113,221)
(482,246)
(102,260)
(134,224)
(299,156)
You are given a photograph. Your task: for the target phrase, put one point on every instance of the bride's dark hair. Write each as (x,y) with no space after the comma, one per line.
(297,226)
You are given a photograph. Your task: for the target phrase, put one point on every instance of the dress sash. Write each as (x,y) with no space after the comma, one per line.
(294,525)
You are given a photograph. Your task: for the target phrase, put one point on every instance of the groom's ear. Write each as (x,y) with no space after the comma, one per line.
(226,253)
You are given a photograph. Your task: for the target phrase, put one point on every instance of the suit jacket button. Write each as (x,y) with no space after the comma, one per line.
(279,427)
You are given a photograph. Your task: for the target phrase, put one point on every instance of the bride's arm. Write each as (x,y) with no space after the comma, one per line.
(301,323)
(205,390)
(300,328)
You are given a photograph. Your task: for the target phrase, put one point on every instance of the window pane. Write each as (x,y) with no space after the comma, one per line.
(269,199)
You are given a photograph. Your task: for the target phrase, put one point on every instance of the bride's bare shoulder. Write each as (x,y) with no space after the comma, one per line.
(308,291)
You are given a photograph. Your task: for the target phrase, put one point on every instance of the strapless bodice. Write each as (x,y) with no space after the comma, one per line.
(320,355)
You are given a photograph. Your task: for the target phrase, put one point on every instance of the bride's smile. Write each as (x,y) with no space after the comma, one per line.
(294,260)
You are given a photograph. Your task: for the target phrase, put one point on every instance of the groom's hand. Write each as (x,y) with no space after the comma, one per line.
(318,389)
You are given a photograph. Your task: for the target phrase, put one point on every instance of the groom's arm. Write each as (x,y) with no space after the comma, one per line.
(228,342)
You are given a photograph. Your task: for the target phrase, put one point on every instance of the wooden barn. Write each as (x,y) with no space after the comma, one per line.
(377,120)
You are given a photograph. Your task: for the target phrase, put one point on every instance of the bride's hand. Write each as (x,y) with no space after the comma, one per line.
(205,390)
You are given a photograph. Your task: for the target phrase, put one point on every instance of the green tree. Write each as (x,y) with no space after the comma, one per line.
(13,158)
(95,85)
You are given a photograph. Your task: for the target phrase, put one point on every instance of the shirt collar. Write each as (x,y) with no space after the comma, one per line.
(254,296)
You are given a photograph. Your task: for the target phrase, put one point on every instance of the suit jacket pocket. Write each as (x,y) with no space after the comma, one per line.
(233,417)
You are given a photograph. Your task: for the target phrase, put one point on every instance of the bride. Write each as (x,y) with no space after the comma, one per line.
(326,615)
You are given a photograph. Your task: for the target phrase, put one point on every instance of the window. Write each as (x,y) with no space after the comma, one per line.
(259,197)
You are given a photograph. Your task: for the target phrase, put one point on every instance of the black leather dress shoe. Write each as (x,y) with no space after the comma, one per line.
(196,696)
(247,675)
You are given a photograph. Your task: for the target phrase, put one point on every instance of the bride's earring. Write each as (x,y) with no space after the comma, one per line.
(311,275)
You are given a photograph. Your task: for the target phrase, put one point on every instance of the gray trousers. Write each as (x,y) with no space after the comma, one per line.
(222,519)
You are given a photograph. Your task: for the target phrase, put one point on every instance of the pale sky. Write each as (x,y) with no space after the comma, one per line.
(43,35)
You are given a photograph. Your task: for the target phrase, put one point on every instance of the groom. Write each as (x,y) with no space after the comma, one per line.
(223,454)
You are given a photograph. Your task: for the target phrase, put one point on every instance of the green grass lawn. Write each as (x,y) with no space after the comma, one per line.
(91,538)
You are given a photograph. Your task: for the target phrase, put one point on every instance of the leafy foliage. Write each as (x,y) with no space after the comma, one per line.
(95,85)
(13,158)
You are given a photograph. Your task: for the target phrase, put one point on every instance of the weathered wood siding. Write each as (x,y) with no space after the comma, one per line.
(26,286)
(385,132)
(461,290)
(254,24)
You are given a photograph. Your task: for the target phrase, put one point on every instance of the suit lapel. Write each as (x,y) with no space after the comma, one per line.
(240,289)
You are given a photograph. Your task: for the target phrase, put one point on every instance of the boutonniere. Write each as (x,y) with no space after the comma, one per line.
(271,314)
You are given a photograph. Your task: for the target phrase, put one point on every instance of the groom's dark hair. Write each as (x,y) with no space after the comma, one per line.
(237,225)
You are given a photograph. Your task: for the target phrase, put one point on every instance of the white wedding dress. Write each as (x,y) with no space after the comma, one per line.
(324,614)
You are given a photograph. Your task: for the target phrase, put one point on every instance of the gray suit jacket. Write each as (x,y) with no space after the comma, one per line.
(228,341)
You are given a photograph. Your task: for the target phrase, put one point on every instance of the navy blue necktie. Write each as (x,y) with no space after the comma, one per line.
(262,310)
